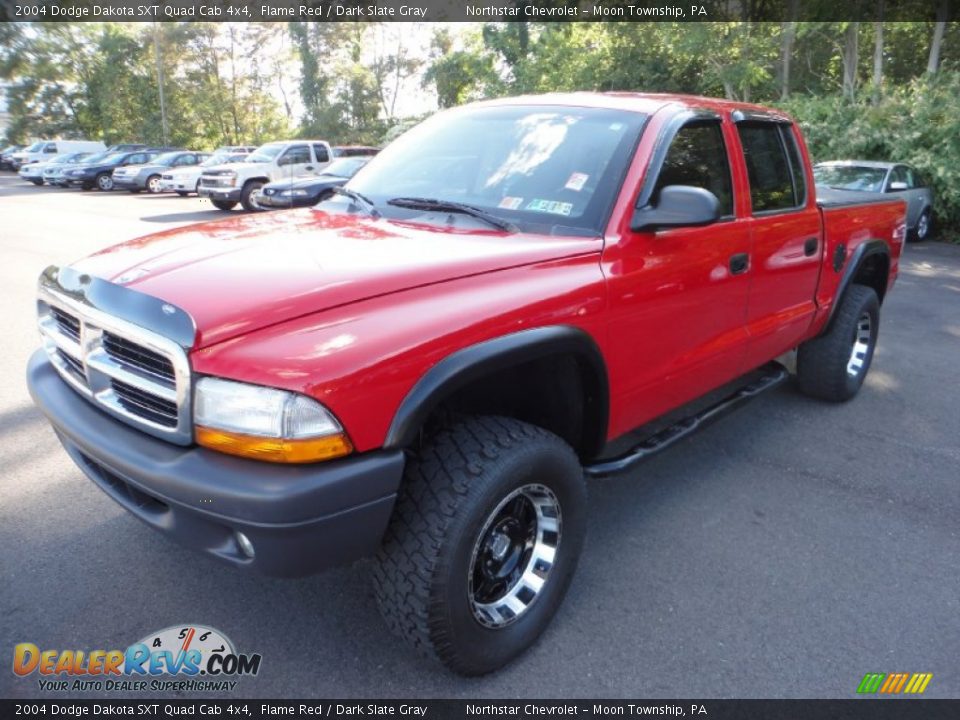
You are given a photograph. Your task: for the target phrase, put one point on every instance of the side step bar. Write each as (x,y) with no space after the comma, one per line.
(772,375)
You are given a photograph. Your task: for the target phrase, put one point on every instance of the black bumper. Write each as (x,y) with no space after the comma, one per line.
(300,519)
(227,194)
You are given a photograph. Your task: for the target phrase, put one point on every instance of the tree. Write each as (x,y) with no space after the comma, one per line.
(940,26)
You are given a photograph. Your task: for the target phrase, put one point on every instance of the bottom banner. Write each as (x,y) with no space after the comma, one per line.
(865,709)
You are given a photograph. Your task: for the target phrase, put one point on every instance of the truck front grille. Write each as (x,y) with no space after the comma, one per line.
(138,376)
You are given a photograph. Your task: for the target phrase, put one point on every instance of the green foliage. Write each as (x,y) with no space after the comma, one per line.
(918,123)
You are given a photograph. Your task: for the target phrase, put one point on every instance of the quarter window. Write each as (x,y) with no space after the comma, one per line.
(768,149)
(297,155)
(698,157)
(321,152)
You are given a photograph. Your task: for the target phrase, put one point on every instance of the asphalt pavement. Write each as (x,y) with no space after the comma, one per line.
(783,552)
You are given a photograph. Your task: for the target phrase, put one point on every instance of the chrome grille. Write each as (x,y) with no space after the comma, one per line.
(138,376)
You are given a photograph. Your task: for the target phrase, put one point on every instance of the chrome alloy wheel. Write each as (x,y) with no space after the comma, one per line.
(513,555)
(153,185)
(861,345)
(923,226)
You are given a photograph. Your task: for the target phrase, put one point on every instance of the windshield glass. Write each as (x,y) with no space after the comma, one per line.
(528,164)
(265,153)
(97,158)
(37,146)
(110,158)
(850,177)
(167,159)
(71,157)
(345,167)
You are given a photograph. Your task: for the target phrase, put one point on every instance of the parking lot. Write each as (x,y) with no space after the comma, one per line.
(784,552)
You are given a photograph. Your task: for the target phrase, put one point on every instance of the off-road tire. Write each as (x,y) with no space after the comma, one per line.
(822,363)
(451,487)
(249,189)
(224,204)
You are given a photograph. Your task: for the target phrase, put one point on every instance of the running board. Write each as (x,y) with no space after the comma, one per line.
(773,375)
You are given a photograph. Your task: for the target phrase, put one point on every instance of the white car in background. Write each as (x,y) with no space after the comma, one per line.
(34,172)
(227,185)
(44,150)
(184,181)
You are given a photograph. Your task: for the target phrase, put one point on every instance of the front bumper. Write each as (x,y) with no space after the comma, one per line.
(79,179)
(227,194)
(301,519)
(275,201)
(128,183)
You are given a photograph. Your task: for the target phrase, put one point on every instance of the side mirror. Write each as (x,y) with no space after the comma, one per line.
(678,206)
(895,186)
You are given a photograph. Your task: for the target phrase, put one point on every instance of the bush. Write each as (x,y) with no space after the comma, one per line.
(917,124)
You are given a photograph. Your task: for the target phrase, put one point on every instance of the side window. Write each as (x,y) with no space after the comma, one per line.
(50,148)
(187,160)
(897,175)
(296,155)
(769,170)
(796,164)
(698,157)
(321,152)
(911,177)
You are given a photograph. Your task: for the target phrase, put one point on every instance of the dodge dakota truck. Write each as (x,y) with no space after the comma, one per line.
(428,367)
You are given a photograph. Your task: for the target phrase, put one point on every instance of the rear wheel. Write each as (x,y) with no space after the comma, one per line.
(834,365)
(250,194)
(483,542)
(922,231)
(224,204)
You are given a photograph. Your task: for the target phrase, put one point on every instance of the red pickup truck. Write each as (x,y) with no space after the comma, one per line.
(427,366)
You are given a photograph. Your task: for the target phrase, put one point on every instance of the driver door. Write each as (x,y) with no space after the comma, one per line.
(678,296)
(295,161)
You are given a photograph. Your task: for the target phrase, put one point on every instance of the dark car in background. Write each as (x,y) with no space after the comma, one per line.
(126,147)
(137,178)
(98,173)
(886,178)
(6,161)
(306,191)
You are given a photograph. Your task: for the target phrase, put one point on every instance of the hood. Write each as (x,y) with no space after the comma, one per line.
(239,275)
(307,182)
(234,166)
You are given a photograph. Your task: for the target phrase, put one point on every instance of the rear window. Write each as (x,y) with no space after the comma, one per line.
(773,185)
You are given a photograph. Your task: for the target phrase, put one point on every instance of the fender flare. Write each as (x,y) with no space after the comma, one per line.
(861,254)
(471,363)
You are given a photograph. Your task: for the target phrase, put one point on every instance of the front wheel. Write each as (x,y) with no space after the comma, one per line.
(833,366)
(483,542)
(224,204)
(37,182)
(250,195)
(105,182)
(153,184)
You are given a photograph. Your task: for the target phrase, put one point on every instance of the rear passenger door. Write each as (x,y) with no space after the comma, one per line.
(786,239)
(322,153)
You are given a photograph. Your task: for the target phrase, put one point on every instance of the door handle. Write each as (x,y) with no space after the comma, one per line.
(810,246)
(739,263)
(309,167)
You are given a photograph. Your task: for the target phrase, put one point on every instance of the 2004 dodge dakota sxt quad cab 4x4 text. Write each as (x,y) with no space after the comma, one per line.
(427,366)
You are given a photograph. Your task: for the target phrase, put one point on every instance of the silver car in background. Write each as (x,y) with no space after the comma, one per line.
(895,179)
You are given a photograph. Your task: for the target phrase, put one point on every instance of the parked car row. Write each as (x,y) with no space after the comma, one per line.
(295,172)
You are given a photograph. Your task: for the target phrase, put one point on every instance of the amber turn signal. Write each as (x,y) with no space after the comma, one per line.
(276,450)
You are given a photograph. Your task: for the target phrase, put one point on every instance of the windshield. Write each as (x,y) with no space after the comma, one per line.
(97,158)
(345,167)
(37,146)
(850,177)
(167,159)
(110,158)
(265,153)
(528,164)
(72,157)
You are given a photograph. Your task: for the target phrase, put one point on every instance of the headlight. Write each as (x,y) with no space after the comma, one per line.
(265,423)
(294,193)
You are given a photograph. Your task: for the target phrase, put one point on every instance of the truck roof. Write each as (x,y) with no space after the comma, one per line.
(647,103)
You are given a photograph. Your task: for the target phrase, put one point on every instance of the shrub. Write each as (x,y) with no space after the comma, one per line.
(917,124)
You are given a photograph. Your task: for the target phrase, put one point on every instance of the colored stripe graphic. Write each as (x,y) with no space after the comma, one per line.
(871,682)
(894,683)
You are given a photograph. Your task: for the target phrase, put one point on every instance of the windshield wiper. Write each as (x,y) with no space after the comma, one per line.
(418,203)
(359,199)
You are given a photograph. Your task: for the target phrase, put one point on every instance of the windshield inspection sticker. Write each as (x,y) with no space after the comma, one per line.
(550,206)
(511,203)
(577,181)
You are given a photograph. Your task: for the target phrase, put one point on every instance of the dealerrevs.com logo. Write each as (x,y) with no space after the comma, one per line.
(178,658)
